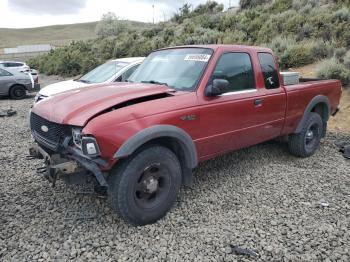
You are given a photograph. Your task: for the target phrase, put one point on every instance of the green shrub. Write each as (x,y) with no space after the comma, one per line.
(236,37)
(321,49)
(297,55)
(339,53)
(280,44)
(342,14)
(332,69)
(110,26)
(279,6)
(246,4)
(347,60)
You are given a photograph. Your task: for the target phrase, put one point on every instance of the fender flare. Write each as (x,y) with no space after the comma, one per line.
(319,99)
(159,131)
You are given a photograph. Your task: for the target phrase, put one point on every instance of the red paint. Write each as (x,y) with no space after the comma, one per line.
(222,124)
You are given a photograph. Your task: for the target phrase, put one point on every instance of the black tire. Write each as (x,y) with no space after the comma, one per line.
(17,92)
(133,191)
(306,142)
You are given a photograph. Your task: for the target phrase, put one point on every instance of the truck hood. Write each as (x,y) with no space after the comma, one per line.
(77,107)
(61,87)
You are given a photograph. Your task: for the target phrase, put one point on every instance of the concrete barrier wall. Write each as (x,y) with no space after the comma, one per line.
(20,56)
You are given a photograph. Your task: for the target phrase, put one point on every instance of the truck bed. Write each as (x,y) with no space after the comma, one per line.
(300,95)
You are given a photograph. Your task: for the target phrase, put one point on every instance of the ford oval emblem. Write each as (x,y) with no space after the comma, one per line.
(44,129)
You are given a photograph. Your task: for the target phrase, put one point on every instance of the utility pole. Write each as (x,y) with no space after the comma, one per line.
(153,11)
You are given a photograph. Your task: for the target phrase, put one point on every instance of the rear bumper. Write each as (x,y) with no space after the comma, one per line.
(33,88)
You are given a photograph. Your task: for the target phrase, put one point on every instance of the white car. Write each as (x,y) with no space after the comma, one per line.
(117,70)
(20,66)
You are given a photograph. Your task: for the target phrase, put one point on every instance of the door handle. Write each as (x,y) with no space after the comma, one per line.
(258,102)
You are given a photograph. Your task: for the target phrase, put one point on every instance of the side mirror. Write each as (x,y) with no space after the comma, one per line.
(218,87)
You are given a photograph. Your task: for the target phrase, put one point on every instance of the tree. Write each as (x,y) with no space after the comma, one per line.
(109,26)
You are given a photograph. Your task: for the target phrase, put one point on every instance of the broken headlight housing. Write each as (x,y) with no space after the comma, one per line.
(87,144)
(76,136)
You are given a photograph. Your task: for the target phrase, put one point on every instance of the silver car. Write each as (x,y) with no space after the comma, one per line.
(16,84)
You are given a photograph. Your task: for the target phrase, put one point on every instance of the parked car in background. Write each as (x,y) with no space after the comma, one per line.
(20,66)
(117,70)
(183,105)
(16,84)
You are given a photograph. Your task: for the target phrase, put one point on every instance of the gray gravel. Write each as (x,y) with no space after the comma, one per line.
(259,198)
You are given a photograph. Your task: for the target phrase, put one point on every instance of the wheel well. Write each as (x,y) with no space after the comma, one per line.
(322,110)
(15,86)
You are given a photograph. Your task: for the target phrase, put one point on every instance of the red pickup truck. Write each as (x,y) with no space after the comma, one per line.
(142,139)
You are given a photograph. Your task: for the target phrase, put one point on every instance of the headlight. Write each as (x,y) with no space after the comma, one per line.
(89,146)
(76,135)
(36,98)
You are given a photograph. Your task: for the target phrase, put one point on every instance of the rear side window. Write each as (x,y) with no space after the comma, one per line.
(269,70)
(13,64)
(4,73)
(237,69)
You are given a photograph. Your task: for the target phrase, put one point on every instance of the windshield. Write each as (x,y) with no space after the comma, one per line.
(103,72)
(179,68)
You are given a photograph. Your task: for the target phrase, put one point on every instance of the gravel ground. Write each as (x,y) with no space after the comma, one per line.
(259,198)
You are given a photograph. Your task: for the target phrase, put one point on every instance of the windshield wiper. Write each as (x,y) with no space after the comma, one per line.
(83,81)
(155,82)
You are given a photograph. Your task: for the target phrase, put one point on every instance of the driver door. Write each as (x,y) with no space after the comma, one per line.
(229,121)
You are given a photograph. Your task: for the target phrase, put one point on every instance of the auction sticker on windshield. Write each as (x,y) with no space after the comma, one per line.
(197,57)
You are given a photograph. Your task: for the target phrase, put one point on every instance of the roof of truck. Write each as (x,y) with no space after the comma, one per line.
(217,46)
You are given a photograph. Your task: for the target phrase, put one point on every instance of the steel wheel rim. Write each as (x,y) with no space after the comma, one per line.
(312,135)
(19,92)
(153,186)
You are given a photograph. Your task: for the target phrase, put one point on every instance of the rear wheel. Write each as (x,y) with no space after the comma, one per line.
(145,187)
(17,92)
(306,142)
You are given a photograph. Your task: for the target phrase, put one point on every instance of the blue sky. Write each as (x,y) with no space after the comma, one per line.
(34,13)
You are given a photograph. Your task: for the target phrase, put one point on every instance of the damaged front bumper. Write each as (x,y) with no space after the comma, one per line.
(68,163)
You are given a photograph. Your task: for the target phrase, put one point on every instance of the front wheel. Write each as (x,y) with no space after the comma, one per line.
(145,187)
(306,142)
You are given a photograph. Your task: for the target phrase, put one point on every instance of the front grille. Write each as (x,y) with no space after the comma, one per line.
(47,133)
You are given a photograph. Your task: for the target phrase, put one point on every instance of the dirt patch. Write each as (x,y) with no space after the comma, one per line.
(341,122)
(308,70)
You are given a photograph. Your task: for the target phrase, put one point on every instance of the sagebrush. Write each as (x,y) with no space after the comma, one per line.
(299,31)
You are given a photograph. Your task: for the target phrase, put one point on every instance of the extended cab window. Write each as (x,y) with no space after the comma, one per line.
(269,70)
(237,69)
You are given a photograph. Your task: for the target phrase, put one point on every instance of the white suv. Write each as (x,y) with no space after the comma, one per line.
(117,70)
(20,66)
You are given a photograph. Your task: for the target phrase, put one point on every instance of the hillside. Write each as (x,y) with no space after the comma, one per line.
(57,35)
(301,32)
